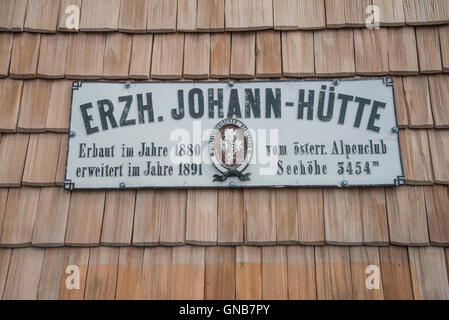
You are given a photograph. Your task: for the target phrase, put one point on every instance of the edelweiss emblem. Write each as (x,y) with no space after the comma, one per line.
(230,147)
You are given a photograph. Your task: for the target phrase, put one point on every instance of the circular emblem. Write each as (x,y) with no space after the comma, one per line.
(230,146)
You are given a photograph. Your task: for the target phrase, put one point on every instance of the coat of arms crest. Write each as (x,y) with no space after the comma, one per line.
(230,147)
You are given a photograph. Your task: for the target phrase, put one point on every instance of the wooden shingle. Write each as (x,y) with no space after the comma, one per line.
(342,216)
(196,55)
(10,95)
(141,52)
(230,217)
(401,106)
(425,12)
(402,52)
(311,14)
(42,159)
(100,15)
(69,15)
(371,51)
(59,106)
(210,15)
(286,216)
(186,15)
(187,273)
(24,55)
(335,13)
(395,272)
(118,218)
(438,141)
(52,56)
(24,274)
(147,217)
(334,53)
(18,20)
(34,106)
(133,16)
(274,273)
(248,273)
(355,12)
(173,220)
(20,214)
(220,267)
(301,272)
(374,216)
(260,216)
(428,43)
(429,273)
(162,15)
(286,14)
(437,204)
(201,217)
(5,52)
(417,99)
(156,273)
(310,216)
(439,96)
(5,259)
(392,12)
(3,199)
(416,156)
(42,15)
(85,53)
(268,58)
(243,54)
(80,258)
(60,169)
(444,43)
(361,259)
(117,54)
(13,150)
(167,59)
(220,55)
(297,55)
(52,272)
(333,273)
(248,15)
(51,217)
(407,216)
(85,218)
(129,277)
(101,279)
(6,15)
(447,257)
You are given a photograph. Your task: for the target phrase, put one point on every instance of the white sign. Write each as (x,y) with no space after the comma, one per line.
(221,134)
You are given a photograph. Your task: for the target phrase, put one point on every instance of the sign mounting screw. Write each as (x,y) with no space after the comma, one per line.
(344,183)
(122,185)
(336,82)
(230,83)
(395,130)
(71,134)
(127,85)
(232,184)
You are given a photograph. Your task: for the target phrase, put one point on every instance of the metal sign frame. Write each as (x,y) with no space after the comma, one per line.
(388,81)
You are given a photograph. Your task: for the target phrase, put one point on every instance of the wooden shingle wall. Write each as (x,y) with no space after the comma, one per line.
(126,40)
(197,272)
(137,16)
